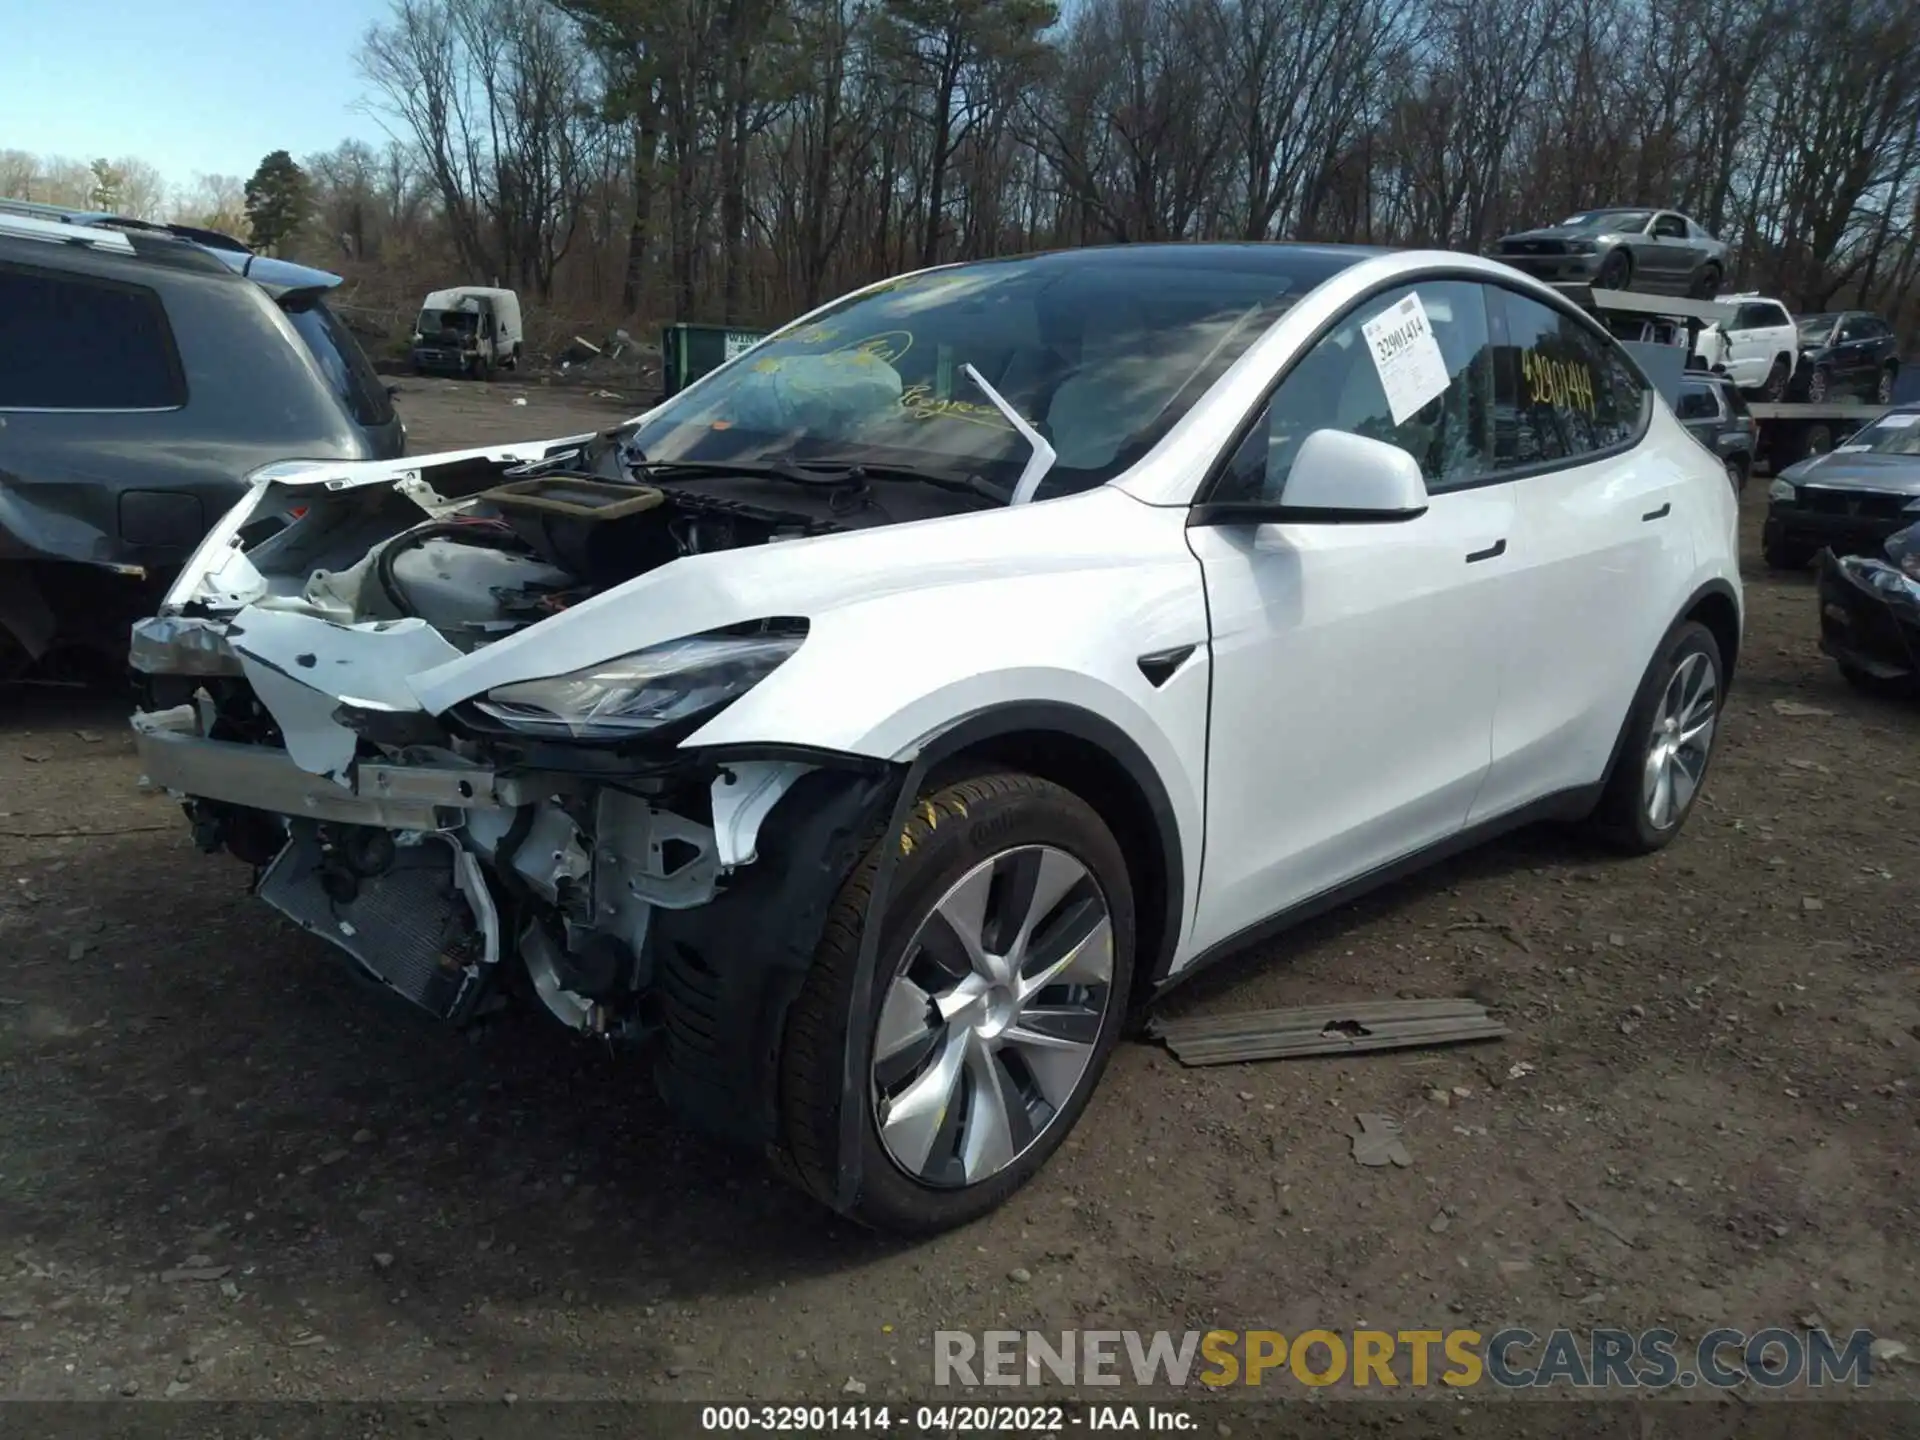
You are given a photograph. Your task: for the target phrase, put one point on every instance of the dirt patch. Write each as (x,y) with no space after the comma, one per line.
(443,414)
(224,1172)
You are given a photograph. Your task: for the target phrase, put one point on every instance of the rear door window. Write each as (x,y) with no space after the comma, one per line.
(350,374)
(1562,394)
(1697,403)
(72,342)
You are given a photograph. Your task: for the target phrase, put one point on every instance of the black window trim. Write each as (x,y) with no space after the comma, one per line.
(176,370)
(1496,336)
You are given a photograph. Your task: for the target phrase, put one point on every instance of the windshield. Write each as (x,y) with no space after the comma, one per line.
(1895,433)
(1100,350)
(434,321)
(1623,222)
(1815,327)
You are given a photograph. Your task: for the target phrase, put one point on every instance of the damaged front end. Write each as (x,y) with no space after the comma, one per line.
(1870,614)
(550,840)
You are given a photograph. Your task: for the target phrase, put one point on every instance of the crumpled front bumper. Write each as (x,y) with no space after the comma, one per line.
(1869,617)
(176,755)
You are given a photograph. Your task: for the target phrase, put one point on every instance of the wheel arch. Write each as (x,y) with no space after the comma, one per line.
(1715,606)
(1097,760)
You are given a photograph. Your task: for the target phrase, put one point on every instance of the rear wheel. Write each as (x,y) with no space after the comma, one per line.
(1883,388)
(1666,745)
(1706,283)
(1774,388)
(1819,384)
(1000,987)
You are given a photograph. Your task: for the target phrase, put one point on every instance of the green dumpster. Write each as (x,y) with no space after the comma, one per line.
(689,351)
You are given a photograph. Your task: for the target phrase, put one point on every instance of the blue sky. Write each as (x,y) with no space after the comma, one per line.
(190,86)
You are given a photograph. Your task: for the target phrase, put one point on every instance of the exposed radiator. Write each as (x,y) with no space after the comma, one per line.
(425,926)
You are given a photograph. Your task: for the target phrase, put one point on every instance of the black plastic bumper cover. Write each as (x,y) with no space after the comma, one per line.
(1862,628)
(729,970)
(1847,534)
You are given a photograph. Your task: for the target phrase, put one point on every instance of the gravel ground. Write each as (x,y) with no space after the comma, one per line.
(224,1173)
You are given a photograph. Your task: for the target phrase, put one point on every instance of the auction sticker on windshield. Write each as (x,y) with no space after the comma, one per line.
(1412,369)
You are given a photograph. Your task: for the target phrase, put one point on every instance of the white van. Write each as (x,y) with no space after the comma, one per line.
(469,330)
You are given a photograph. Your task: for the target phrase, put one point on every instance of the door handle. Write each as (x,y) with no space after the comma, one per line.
(1659,514)
(1492,552)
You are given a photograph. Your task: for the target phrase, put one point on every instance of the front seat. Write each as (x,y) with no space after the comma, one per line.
(1119,386)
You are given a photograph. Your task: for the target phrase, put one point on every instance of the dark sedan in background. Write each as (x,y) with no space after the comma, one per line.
(1621,248)
(1849,500)
(1846,354)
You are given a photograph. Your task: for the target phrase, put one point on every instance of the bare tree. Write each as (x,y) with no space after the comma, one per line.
(495,94)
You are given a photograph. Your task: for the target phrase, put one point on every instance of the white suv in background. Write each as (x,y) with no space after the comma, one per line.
(1757,350)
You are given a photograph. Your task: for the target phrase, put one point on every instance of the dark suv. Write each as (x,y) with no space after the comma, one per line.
(1715,414)
(1847,354)
(145,372)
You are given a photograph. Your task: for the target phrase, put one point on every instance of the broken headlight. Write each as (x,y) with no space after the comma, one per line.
(639,693)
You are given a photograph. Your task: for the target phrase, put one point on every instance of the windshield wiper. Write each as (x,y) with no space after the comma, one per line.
(836,475)
(1040,462)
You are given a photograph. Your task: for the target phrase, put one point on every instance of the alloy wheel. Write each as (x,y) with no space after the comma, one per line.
(1681,741)
(1883,392)
(992,1017)
(1817,387)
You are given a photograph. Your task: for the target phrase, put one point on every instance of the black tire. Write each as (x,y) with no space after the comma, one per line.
(1774,388)
(1883,389)
(1706,284)
(1786,554)
(1622,817)
(1615,273)
(1737,466)
(951,830)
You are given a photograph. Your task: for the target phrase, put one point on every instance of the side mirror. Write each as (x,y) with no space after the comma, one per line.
(1337,478)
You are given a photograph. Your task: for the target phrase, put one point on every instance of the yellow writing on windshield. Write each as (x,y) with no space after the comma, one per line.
(921,403)
(888,345)
(1564,384)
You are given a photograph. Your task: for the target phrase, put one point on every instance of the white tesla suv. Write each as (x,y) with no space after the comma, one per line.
(867,730)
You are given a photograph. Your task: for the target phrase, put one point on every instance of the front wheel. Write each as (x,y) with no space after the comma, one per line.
(1000,986)
(1616,273)
(1666,744)
(1774,389)
(1818,385)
